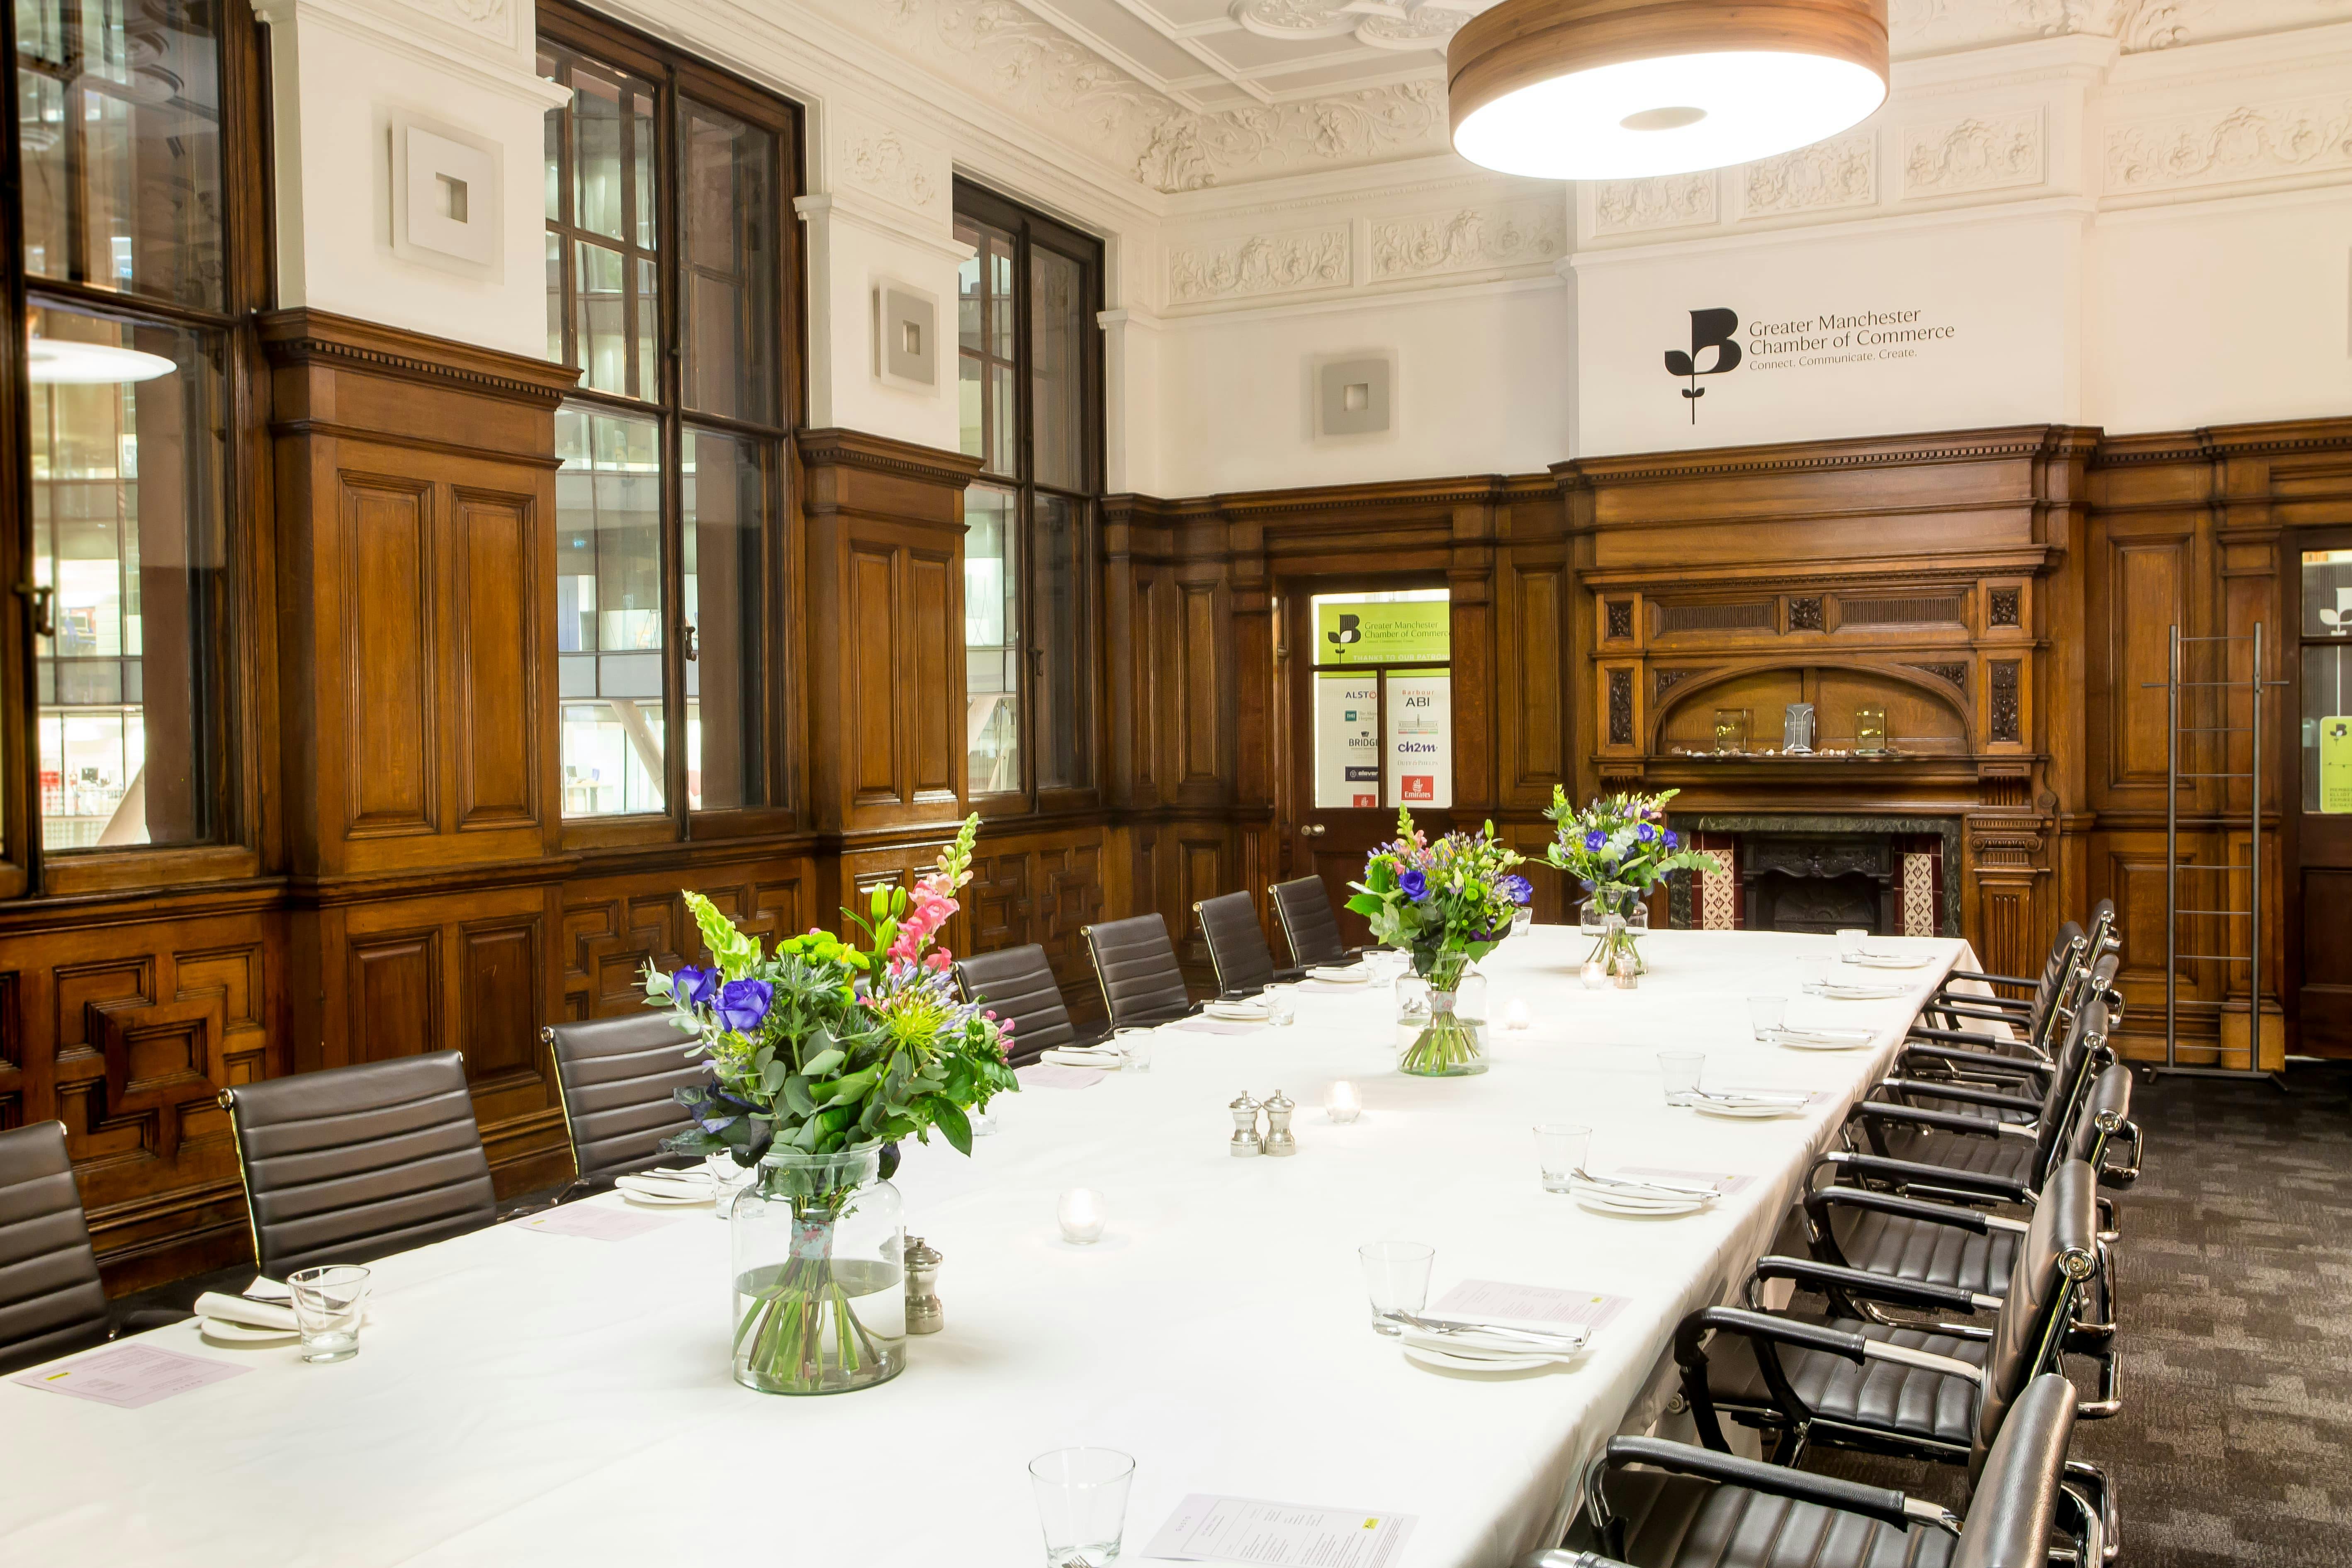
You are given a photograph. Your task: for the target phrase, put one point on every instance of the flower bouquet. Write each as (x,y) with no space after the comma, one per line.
(1619,848)
(1447,904)
(824,1055)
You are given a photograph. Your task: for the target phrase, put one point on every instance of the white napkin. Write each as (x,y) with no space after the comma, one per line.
(1083,1057)
(1353,974)
(668,1183)
(240,1310)
(1820,1036)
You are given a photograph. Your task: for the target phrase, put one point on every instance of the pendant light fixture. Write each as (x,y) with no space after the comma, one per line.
(64,362)
(1606,89)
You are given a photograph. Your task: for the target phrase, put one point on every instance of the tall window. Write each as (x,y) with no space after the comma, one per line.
(1384,698)
(667,267)
(130,295)
(1030,386)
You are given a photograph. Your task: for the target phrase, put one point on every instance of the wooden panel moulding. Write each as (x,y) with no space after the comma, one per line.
(496,659)
(389,615)
(335,376)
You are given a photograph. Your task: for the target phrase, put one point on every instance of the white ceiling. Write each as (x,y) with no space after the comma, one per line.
(1227,54)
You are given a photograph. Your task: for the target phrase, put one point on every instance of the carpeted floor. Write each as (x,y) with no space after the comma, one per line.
(2234,1446)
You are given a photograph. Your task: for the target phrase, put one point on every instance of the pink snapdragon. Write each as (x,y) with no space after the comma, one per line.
(932,907)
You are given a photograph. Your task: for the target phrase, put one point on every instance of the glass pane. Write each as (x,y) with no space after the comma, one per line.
(1062,714)
(612,152)
(1420,738)
(984,331)
(128,533)
(608,628)
(2327,592)
(992,639)
(1346,741)
(1058,345)
(2328,729)
(1394,625)
(555,299)
(728,211)
(120,124)
(616,323)
(968,397)
(1003,449)
(725,502)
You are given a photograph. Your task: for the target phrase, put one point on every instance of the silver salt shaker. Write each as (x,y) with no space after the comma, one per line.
(923,1260)
(1246,1140)
(1279,1138)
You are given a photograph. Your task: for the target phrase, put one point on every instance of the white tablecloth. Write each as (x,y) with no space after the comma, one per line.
(532,1398)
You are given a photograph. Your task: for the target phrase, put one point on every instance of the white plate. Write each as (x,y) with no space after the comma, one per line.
(1083,1057)
(1889,959)
(1823,1039)
(1446,1361)
(657,1200)
(1351,975)
(1750,1112)
(1237,1011)
(1600,1202)
(221,1331)
(1837,993)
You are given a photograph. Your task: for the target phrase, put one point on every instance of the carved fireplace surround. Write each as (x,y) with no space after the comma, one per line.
(1791,872)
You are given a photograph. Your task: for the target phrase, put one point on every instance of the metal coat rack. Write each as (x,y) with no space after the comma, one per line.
(2220,894)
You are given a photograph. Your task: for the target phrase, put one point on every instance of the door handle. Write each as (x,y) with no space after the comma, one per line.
(41,600)
(1313,830)
(693,645)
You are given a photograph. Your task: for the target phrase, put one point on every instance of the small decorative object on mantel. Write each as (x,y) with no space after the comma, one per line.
(1869,731)
(1245,1142)
(824,1057)
(1448,904)
(1619,848)
(1731,729)
(1279,1138)
(923,1314)
(1796,730)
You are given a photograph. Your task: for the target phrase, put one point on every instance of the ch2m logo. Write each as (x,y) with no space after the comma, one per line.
(1716,330)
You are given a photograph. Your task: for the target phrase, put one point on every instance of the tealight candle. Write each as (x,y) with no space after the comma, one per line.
(1340,1104)
(1515,1016)
(1596,974)
(1082,1214)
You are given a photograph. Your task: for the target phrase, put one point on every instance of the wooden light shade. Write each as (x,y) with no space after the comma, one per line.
(1522,43)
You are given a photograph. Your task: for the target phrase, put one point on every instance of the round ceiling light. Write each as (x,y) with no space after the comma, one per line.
(62,361)
(1610,89)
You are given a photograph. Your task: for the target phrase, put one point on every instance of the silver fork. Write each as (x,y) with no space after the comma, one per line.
(1533,1337)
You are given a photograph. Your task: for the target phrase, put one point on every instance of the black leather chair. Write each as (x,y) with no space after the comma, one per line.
(1018,984)
(1656,1504)
(1934,1391)
(1135,965)
(353,1163)
(617,1078)
(1237,945)
(2032,1023)
(52,1302)
(1309,925)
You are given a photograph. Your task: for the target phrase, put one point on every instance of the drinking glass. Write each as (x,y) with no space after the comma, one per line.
(1559,1149)
(329,1302)
(1396,1278)
(1851,940)
(1765,1014)
(1411,996)
(1819,969)
(1082,1504)
(1279,1008)
(1134,1047)
(1680,1070)
(729,1178)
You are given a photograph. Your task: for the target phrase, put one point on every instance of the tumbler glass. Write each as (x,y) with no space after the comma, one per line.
(1680,1071)
(1396,1278)
(1082,1504)
(1765,1014)
(328,1305)
(1560,1148)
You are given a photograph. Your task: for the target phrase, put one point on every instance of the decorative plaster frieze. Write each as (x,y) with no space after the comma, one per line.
(876,161)
(1469,239)
(490,41)
(1842,172)
(1258,264)
(1972,154)
(1664,201)
(1015,58)
(2230,142)
(1383,24)
(1936,26)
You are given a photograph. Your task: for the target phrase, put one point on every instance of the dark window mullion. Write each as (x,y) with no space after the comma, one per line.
(666,163)
(1025,526)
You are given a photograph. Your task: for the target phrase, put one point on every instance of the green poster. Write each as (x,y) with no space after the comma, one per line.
(2336,765)
(1413,631)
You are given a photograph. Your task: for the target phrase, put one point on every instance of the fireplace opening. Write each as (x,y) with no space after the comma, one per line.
(1824,904)
(1820,882)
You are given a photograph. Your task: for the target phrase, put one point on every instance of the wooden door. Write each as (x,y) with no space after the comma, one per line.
(2321,799)
(1366,732)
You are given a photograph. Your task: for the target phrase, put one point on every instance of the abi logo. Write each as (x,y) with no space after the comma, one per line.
(1352,631)
(1710,330)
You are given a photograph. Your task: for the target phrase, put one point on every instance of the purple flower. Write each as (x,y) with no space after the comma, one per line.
(743,1002)
(1646,834)
(1673,841)
(1595,839)
(1519,889)
(1413,885)
(693,986)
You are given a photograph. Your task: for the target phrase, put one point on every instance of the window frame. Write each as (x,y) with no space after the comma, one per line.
(679,76)
(242,697)
(1030,230)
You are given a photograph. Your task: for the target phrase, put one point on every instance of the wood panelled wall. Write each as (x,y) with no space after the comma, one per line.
(403,880)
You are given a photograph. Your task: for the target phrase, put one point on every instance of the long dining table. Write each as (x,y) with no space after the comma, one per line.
(524,1397)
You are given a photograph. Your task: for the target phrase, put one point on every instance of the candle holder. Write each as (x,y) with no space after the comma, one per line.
(1340,1104)
(1082,1213)
(1515,1016)
(1596,974)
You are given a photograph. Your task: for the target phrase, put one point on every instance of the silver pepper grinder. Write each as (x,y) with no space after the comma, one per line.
(923,1260)
(1245,1142)
(1279,1138)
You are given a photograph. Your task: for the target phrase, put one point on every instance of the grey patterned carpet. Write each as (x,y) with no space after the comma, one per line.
(2234,1446)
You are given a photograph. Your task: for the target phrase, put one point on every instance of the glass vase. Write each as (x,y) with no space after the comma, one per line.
(1616,917)
(1451,1041)
(820,1306)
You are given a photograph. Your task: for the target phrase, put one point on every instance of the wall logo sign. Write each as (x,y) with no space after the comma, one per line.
(1349,632)
(1716,330)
